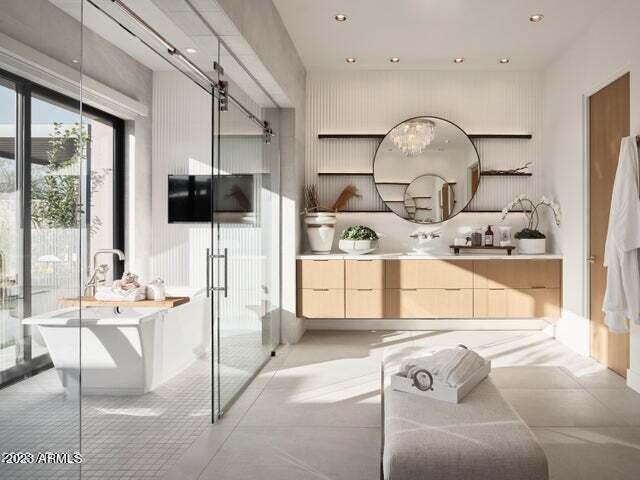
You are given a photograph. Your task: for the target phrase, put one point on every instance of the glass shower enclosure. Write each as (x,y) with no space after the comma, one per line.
(66,161)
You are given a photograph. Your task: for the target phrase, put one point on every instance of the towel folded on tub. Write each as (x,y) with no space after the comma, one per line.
(112,294)
(448,365)
(126,289)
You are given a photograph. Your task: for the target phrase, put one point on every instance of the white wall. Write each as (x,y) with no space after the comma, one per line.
(261,26)
(182,145)
(606,51)
(375,101)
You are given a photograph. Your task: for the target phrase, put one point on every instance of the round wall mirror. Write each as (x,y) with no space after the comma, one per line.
(426,170)
(429,199)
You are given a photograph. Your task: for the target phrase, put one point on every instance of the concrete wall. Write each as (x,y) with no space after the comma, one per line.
(607,50)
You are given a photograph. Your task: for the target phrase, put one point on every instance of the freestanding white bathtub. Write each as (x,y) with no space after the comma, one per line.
(129,352)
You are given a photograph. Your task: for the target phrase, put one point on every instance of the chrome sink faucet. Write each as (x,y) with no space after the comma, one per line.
(99,272)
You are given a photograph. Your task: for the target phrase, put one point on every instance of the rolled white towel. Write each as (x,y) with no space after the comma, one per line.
(448,366)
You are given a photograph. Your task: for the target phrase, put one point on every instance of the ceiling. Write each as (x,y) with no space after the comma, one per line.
(183,28)
(429,34)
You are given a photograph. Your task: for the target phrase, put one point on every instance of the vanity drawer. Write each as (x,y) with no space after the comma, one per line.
(429,303)
(517,303)
(518,274)
(364,303)
(432,274)
(490,303)
(364,274)
(533,303)
(320,274)
(321,303)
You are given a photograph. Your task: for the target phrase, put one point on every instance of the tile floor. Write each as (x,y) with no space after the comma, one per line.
(314,411)
(123,437)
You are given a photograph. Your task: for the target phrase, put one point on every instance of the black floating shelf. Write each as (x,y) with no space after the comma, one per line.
(523,136)
(507,174)
(380,136)
(393,183)
(376,136)
(368,174)
(420,208)
(494,211)
(364,211)
(419,196)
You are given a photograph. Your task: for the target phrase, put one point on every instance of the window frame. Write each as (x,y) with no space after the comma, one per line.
(24,90)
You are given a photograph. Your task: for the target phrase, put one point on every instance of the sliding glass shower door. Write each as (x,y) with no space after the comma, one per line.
(246,225)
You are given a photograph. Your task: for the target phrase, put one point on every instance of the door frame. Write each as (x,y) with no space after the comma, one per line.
(586,162)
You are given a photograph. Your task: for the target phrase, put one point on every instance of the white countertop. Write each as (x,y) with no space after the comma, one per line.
(434,256)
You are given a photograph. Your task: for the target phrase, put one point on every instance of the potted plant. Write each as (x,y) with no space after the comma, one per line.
(358,240)
(532,241)
(321,222)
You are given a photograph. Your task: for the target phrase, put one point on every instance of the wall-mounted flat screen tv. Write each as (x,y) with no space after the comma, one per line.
(190,198)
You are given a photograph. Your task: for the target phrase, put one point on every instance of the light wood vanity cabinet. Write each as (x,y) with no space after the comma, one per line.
(429,303)
(364,288)
(410,274)
(371,288)
(320,288)
(517,289)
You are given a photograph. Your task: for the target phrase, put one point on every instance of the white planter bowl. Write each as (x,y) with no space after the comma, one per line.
(358,247)
(321,228)
(532,246)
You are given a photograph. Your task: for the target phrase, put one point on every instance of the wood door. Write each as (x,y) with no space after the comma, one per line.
(445,193)
(609,120)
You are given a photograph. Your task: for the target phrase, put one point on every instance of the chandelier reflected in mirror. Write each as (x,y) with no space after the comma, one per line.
(414,136)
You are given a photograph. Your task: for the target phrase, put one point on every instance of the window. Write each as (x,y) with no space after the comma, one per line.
(61,199)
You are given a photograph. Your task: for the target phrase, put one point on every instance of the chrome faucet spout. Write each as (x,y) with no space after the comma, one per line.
(93,281)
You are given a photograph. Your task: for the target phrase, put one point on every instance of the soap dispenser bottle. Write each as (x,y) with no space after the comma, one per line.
(488,237)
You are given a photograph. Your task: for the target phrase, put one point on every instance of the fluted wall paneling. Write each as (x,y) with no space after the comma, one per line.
(375,101)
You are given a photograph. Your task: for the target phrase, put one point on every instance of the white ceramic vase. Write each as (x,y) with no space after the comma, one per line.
(321,228)
(358,247)
(532,246)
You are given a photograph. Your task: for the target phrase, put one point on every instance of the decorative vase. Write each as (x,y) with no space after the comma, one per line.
(358,247)
(321,228)
(532,246)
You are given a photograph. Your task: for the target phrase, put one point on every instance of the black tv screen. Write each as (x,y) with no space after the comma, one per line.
(190,196)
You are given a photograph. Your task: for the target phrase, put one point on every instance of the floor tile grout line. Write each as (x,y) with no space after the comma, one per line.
(241,417)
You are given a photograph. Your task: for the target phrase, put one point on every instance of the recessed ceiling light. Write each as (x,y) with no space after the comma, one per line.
(190,50)
(394,59)
(340,18)
(458,60)
(536,18)
(504,60)
(75,60)
(350,60)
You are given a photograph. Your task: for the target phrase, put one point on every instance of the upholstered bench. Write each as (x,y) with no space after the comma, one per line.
(480,438)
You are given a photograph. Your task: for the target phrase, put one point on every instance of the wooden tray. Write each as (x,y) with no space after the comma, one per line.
(457,248)
(169,302)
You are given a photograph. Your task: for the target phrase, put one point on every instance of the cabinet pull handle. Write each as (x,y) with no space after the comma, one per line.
(453,289)
(319,260)
(537,287)
(320,289)
(365,289)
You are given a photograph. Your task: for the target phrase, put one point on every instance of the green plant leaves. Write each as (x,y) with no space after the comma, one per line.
(359,232)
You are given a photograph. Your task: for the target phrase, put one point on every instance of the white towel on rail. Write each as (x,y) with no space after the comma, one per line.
(622,249)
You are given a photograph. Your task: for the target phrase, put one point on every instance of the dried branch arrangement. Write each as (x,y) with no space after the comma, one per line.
(312,202)
(523,170)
